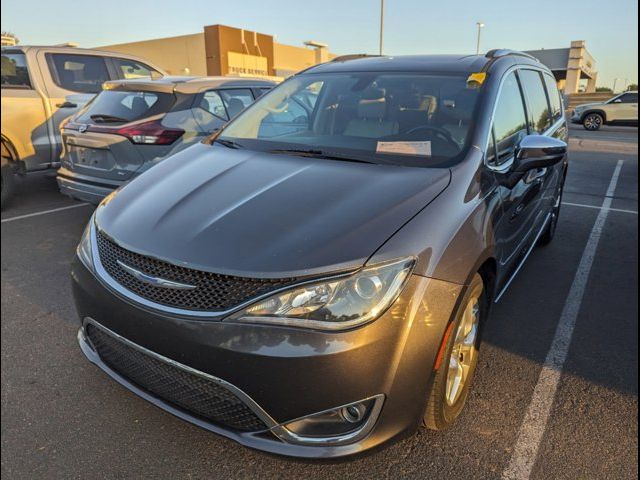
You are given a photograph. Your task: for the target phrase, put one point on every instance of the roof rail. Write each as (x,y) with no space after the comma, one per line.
(353,56)
(504,52)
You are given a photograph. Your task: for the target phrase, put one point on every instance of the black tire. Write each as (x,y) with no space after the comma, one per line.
(439,413)
(593,121)
(8,182)
(550,232)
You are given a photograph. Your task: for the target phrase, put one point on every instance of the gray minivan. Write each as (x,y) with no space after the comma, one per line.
(134,124)
(315,282)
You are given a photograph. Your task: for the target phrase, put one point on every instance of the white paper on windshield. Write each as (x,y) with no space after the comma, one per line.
(405,148)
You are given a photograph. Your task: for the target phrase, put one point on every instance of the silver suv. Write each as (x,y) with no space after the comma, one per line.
(132,125)
(42,86)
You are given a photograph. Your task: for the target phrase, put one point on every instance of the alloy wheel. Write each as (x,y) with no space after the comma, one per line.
(464,351)
(593,122)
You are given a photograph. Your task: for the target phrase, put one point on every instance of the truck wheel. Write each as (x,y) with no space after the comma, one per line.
(593,121)
(8,181)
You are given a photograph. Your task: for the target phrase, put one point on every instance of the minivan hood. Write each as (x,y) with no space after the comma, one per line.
(262,215)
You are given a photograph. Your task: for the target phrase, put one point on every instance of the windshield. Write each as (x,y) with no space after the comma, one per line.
(399,118)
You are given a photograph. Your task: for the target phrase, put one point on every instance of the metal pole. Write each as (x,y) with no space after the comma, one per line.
(615,82)
(480,25)
(381,26)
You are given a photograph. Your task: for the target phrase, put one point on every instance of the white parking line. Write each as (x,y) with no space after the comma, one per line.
(45,212)
(537,416)
(621,210)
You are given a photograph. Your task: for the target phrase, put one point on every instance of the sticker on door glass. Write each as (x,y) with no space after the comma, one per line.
(405,148)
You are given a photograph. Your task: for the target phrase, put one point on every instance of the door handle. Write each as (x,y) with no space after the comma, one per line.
(535,175)
(67,105)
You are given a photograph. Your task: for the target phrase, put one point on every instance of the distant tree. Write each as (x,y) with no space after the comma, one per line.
(604,89)
(632,88)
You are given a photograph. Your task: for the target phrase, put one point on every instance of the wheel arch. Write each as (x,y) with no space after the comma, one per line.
(595,110)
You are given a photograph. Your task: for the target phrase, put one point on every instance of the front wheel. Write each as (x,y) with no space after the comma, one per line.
(457,366)
(593,122)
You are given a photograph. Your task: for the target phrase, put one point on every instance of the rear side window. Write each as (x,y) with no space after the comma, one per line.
(212,103)
(79,73)
(509,122)
(129,69)
(539,115)
(113,106)
(15,73)
(262,91)
(554,97)
(626,98)
(236,100)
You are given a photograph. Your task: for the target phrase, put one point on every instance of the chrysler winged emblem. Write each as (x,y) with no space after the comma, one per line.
(154,281)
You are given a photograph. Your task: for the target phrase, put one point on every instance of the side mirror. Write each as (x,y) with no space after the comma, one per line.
(538,151)
(617,100)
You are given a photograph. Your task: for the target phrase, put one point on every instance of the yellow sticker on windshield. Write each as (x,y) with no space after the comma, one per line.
(476,79)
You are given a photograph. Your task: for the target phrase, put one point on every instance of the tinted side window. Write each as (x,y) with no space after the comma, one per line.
(539,118)
(629,98)
(14,70)
(131,69)
(79,73)
(510,121)
(212,103)
(236,100)
(554,97)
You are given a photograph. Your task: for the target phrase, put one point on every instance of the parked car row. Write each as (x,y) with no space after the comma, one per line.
(313,280)
(142,116)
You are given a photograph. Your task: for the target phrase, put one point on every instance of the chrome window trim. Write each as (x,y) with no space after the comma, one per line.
(505,167)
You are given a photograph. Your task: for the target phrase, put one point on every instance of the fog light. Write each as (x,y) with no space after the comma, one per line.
(353,413)
(342,424)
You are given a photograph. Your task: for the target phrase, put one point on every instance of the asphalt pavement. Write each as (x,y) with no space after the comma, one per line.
(63,418)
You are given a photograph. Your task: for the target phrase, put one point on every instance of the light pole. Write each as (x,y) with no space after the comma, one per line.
(381,25)
(615,82)
(480,27)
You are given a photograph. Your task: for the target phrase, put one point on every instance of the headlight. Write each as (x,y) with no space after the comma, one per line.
(84,249)
(333,304)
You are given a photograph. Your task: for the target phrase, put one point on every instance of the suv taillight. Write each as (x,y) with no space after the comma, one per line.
(150,133)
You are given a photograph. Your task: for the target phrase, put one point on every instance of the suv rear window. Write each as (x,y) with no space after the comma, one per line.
(119,106)
(79,73)
(14,70)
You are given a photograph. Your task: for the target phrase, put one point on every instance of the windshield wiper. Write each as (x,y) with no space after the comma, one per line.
(228,143)
(104,118)
(313,153)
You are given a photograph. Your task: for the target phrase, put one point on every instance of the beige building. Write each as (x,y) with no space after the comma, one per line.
(571,67)
(222,50)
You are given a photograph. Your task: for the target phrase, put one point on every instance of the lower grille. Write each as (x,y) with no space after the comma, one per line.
(199,396)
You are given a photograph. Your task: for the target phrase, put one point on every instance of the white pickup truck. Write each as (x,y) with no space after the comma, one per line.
(42,86)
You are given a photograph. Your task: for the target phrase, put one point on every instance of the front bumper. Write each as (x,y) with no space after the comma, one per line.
(288,373)
(84,188)
(576,117)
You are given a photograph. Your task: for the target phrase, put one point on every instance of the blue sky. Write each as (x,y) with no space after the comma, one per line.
(349,26)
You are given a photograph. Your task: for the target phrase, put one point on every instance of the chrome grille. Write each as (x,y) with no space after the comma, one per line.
(213,292)
(188,391)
